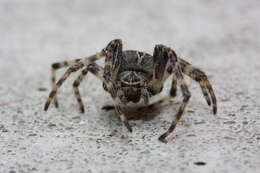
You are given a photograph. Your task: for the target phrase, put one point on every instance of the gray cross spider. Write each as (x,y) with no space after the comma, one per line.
(131,76)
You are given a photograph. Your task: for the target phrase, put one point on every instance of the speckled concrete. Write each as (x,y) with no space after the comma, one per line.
(221,37)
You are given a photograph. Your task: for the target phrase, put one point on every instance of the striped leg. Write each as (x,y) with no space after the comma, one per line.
(73,68)
(173,90)
(186,96)
(54,68)
(123,117)
(76,89)
(199,76)
(93,68)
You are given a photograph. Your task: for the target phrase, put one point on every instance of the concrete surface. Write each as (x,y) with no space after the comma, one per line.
(221,37)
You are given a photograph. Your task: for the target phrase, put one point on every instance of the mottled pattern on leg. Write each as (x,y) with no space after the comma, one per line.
(97,70)
(173,90)
(75,65)
(54,68)
(76,89)
(53,93)
(199,76)
(186,96)
(94,69)
(122,116)
(114,52)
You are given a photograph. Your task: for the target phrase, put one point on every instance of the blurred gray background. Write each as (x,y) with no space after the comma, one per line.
(221,37)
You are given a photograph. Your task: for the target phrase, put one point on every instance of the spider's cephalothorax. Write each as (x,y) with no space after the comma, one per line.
(134,73)
(133,76)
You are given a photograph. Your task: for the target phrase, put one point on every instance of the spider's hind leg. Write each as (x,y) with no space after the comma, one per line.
(56,66)
(76,84)
(53,93)
(94,69)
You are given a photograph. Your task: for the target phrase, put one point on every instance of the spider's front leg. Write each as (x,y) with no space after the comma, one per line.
(122,116)
(200,77)
(166,63)
(186,96)
(114,55)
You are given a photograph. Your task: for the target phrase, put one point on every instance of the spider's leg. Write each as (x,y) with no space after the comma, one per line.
(199,76)
(54,68)
(151,107)
(114,54)
(52,94)
(113,60)
(108,107)
(173,90)
(186,96)
(75,67)
(122,117)
(164,61)
(93,68)
(76,89)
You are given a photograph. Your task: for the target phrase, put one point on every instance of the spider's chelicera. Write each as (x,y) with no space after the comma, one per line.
(134,76)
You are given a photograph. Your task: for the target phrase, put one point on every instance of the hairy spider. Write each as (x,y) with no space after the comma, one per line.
(131,76)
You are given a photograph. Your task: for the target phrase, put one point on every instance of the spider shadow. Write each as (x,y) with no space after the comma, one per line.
(134,112)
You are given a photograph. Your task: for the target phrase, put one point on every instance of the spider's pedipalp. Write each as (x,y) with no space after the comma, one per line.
(199,76)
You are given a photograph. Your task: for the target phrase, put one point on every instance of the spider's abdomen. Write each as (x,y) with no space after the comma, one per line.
(136,67)
(136,61)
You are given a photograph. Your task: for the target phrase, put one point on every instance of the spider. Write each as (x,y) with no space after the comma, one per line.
(134,76)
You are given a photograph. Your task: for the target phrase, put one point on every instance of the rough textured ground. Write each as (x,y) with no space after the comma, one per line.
(221,37)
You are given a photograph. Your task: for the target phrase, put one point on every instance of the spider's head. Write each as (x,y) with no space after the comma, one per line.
(132,83)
